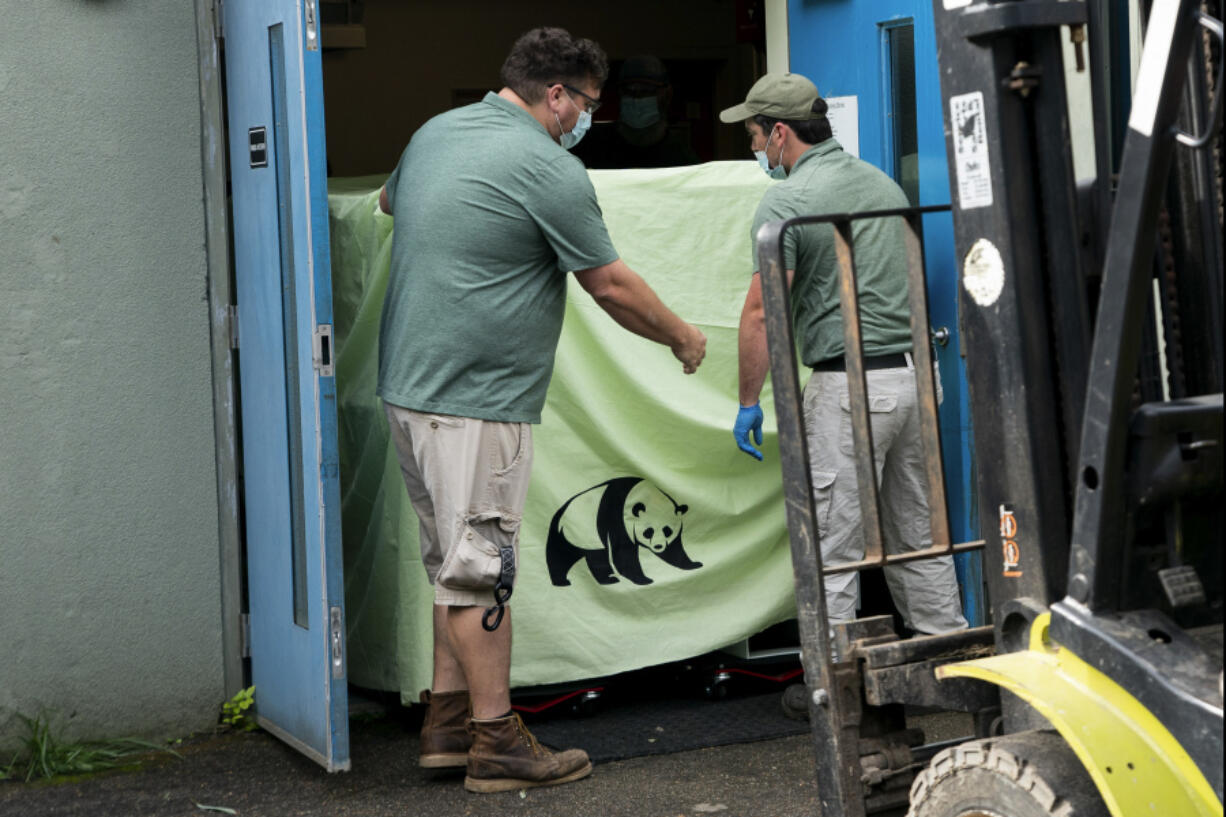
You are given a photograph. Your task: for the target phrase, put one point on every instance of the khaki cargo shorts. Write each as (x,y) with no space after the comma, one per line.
(468,481)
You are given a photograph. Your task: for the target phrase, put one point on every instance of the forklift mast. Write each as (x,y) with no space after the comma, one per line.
(1098,441)
(1023,309)
(1078,452)
(1070,412)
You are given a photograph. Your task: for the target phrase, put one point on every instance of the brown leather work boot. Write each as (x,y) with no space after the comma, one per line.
(444,733)
(505,756)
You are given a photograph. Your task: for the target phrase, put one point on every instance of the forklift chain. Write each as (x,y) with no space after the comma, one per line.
(1211,65)
(1172,327)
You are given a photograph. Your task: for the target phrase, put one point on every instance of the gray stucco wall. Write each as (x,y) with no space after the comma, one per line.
(109,577)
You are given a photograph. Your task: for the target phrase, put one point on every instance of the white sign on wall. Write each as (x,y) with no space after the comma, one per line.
(844,116)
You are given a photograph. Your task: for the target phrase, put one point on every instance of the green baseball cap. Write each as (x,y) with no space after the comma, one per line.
(779,96)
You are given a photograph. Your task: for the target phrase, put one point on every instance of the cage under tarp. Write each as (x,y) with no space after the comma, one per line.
(620,417)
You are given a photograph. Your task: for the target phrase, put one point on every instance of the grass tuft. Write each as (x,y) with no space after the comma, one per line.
(44,754)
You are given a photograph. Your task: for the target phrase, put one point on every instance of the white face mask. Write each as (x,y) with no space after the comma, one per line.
(640,112)
(571,138)
(776,172)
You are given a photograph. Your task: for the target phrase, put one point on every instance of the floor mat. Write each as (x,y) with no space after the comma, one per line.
(632,728)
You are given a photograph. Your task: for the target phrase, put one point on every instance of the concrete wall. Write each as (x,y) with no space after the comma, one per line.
(109,588)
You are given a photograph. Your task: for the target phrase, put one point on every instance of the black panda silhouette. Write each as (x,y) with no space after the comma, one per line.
(608,524)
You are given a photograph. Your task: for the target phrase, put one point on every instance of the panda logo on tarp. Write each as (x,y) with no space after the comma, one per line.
(612,526)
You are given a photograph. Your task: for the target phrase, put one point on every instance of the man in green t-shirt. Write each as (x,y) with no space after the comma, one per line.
(491,213)
(788,130)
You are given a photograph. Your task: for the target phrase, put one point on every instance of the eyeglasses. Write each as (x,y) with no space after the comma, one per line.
(592,105)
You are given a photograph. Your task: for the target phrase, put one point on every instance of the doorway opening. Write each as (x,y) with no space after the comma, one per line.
(397,64)
(391,66)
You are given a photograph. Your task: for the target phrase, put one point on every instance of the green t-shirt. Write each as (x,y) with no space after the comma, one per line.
(826,179)
(490,214)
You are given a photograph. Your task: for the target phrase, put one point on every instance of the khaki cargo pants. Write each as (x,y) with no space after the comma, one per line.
(925,591)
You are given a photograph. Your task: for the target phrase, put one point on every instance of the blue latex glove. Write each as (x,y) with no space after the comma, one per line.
(748,419)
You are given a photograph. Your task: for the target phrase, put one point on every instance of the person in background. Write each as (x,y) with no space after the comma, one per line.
(491,213)
(641,136)
(790,135)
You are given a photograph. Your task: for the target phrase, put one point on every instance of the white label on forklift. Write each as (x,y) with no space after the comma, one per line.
(971,150)
(983,273)
(956,4)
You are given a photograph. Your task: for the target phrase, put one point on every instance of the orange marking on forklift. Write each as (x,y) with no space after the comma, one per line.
(1012,554)
(1008,524)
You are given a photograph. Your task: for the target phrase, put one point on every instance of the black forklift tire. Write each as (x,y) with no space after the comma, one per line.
(1027,774)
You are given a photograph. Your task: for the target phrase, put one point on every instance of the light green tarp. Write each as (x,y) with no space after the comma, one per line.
(618,406)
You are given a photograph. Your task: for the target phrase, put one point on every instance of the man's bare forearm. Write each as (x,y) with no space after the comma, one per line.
(626,297)
(637,308)
(753,357)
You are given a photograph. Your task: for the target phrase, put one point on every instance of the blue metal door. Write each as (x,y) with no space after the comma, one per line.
(883,53)
(288,394)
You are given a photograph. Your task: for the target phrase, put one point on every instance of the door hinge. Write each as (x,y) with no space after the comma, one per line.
(232,325)
(322,349)
(244,629)
(219,20)
(337,641)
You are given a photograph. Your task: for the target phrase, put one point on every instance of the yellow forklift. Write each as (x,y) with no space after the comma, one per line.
(1091,326)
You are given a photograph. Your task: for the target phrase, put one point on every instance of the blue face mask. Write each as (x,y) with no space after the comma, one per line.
(776,172)
(640,112)
(569,140)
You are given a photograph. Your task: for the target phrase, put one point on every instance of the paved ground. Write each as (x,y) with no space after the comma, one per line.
(257,776)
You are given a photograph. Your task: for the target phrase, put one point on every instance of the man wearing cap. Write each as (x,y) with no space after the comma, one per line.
(791,137)
(491,213)
(641,136)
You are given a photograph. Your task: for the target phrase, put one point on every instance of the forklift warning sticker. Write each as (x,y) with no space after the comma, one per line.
(971,150)
(1008,543)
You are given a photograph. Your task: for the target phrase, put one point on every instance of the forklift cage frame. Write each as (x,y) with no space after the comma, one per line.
(839,783)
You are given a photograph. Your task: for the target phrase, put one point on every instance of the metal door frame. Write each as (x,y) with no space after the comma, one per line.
(220,297)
